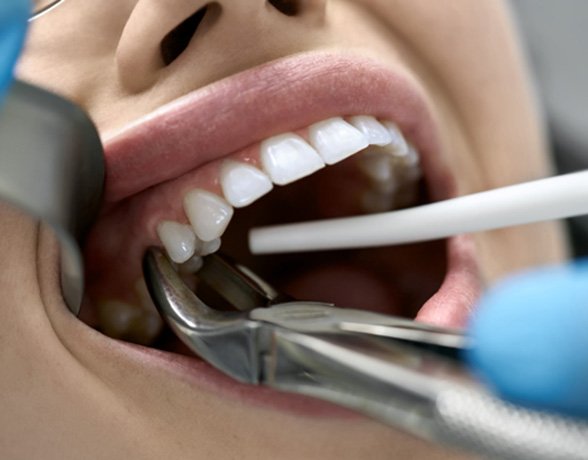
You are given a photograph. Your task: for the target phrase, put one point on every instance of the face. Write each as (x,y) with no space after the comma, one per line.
(205,108)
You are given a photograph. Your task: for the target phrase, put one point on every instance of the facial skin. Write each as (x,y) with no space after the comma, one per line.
(69,392)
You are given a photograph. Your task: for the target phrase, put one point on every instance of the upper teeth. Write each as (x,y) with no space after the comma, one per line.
(243,184)
(288,158)
(284,159)
(335,140)
(376,132)
(208,213)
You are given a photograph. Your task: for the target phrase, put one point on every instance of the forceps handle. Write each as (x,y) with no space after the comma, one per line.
(433,398)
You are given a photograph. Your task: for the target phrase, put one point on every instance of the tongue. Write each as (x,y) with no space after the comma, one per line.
(346,286)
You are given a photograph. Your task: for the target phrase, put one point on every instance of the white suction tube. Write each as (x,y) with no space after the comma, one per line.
(546,199)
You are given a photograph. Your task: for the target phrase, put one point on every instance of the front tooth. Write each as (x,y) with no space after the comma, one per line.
(288,158)
(208,213)
(243,184)
(178,239)
(335,140)
(398,143)
(375,132)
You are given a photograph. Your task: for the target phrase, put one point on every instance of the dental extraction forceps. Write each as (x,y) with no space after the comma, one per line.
(403,373)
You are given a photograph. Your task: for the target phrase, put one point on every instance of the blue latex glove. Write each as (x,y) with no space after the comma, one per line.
(531,336)
(13,20)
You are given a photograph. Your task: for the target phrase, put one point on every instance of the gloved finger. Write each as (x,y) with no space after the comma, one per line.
(13,21)
(531,339)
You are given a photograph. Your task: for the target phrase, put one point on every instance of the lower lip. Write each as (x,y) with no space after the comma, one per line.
(204,377)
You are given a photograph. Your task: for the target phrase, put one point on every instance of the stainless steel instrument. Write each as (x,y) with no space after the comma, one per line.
(52,166)
(405,374)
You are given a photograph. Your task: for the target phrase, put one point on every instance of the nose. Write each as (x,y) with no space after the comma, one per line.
(211,39)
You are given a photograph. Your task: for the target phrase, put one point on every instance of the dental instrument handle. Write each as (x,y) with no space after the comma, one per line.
(541,200)
(418,392)
(52,167)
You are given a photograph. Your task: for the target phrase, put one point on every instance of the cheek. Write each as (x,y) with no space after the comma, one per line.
(71,50)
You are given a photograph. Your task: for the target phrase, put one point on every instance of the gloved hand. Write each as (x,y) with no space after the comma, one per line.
(13,21)
(531,339)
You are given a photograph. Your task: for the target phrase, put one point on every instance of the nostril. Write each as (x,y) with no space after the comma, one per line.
(288,7)
(178,39)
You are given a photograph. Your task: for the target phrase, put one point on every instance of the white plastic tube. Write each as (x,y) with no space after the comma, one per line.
(546,199)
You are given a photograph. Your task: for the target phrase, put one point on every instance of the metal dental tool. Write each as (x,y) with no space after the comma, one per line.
(546,199)
(403,373)
(52,166)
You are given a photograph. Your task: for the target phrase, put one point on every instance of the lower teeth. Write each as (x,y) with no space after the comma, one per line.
(138,323)
(122,321)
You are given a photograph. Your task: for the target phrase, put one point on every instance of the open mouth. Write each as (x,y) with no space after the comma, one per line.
(311,142)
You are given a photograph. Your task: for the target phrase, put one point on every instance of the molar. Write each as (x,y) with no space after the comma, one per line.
(243,184)
(378,165)
(288,158)
(412,158)
(375,132)
(412,165)
(178,239)
(398,143)
(336,140)
(123,321)
(208,213)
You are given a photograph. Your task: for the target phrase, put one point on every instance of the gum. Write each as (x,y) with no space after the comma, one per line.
(128,228)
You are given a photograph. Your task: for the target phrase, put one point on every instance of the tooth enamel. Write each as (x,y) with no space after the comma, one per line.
(115,317)
(208,213)
(377,164)
(335,140)
(398,143)
(210,247)
(243,184)
(375,132)
(288,158)
(179,240)
(412,157)
(120,320)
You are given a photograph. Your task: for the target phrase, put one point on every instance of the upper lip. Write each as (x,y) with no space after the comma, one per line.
(276,97)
